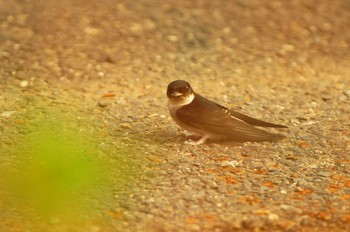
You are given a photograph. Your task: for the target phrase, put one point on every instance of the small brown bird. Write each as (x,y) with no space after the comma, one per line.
(197,114)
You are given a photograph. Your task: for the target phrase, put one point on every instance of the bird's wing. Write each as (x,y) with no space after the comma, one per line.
(252,121)
(220,121)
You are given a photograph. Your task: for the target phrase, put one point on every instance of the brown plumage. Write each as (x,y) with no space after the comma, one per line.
(211,120)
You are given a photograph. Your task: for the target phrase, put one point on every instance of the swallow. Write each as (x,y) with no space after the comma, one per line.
(210,120)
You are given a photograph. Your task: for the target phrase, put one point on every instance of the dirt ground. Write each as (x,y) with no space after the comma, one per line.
(109,61)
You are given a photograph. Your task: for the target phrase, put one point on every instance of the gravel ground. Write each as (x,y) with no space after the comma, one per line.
(286,62)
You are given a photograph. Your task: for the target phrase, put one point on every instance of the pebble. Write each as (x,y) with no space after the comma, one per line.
(91,31)
(286,207)
(173,38)
(188,196)
(194,227)
(102,103)
(291,209)
(342,97)
(347,92)
(286,48)
(136,28)
(7,114)
(313,104)
(324,174)
(24,84)
(273,217)
(194,181)
(233,163)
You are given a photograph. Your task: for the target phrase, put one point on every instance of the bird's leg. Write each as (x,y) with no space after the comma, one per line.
(189,134)
(198,142)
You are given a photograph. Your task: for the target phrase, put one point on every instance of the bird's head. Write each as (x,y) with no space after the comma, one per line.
(180,92)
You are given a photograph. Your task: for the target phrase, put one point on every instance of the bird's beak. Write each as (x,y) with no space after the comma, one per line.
(176,94)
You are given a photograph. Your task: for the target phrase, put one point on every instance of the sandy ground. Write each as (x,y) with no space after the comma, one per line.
(286,62)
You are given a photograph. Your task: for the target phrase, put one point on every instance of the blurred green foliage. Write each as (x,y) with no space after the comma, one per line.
(60,171)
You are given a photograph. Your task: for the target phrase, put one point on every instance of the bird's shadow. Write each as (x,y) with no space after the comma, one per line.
(162,137)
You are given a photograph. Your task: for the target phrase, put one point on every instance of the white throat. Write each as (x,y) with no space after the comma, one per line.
(187,100)
(174,105)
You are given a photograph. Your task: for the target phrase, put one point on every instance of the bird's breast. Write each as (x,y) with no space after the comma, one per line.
(172,110)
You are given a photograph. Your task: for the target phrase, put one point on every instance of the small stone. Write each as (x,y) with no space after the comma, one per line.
(269,60)
(273,217)
(286,207)
(102,103)
(311,112)
(24,84)
(342,97)
(150,25)
(136,28)
(291,209)
(324,174)
(226,30)
(286,48)
(194,227)
(313,104)
(326,97)
(7,114)
(91,31)
(188,196)
(301,118)
(233,163)
(347,92)
(238,71)
(283,191)
(173,38)
(125,125)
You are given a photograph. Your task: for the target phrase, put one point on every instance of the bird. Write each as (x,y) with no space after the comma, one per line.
(211,120)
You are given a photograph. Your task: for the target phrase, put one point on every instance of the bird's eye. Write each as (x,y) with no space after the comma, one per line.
(184,89)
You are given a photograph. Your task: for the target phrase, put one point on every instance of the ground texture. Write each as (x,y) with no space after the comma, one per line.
(286,62)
